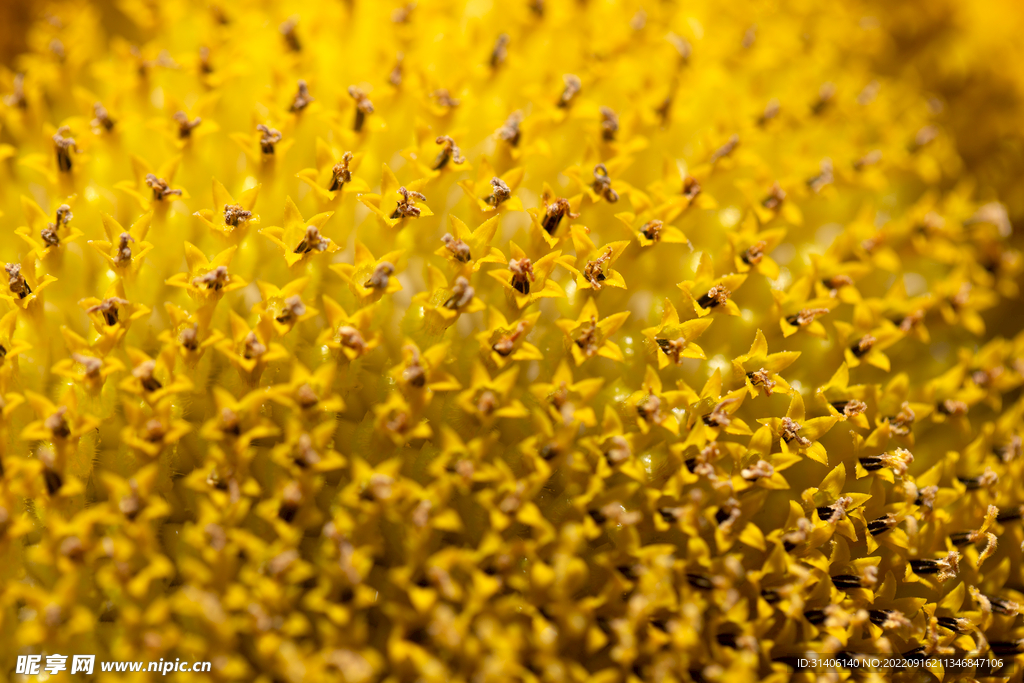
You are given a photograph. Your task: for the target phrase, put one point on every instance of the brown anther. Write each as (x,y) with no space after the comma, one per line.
(487,403)
(123,257)
(753,254)
(500,52)
(49,236)
(952,407)
(923,138)
(837,282)
(185,127)
(870,159)
(462,294)
(108,309)
(773,202)
(573,85)
(72,548)
(825,94)
(603,184)
(414,374)
(824,178)
(771,110)
(791,432)
(402,14)
(407,204)
(340,173)
(189,337)
(806,316)
(268,138)
(762,469)
(64,145)
(252,347)
(900,425)
(229,421)
(205,66)
(719,416)
(293,309)
(716,296)
(144,373)
(537,7)
(749,37)
(501,192)
(763,379)
(57,424)
(306,397)
(305,453)
(90,365)
(213,280)
(101,118)
(17,97)
(509,131)
(652,230)
(727,149)
(618,450)
(554,212)
(312,241)
(398,422)
(851,408)
(458,249)
(863,346)
(609,124)
(235,215)
(444,99)
(160,187)
(691,188)
(506,343)
(290,35)
(869,93)
(302,98)
(363,107)
(682,46)
(379,278)
(131,503)
(588,341)
(16,281)
(594,270)
(649,409)
(673,348)
(395,77)
(522,274)
(449,152)
(350,338)
(911,320)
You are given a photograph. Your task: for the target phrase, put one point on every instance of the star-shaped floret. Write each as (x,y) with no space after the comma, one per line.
(397,203)
(334,174)
(231,217)
(590,335)
(300,238)
(671,341)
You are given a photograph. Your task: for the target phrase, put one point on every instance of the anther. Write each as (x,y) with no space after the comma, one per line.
(618,451)
(462,294)
(58,424)
(762,469)
(509,131)
(573,85)
(395,77)
(501,192)
(268,138)
(160,187)
(189,338)
(101,118)
(727,149)
(791,432)
(144,373)
(506,343)
(763,379)
(870,159)
(500,52)
(850,408)
(252,347)
(522,274)
(753,254)
(683,48)
(403,14)
(775,198)
(108,309)
(16,281)
(302,98)
(185,127)
(824,178)
(652,230)
(350,338)
(879,526)
(719,416)
(923,138)
(825,94)
(554,212)
(124,251)
(341,174)
(444,98)
(863,346)
(235,215)
(407,205)
(806,316)
(379,278)
(594,270)
(609,124)
(459,249)
(716,296)
(588,339)
(603,184)
(213,281)
(691,188)
(649,409)
(204,61)
(771,110)
(312,241)
(363,107)
(293,309)
(291,36)
(17,97)
(414,374)
(952,407)
(449,152)
(64,145)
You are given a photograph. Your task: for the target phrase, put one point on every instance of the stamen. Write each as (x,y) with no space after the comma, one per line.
(691,188)
(291,36)
(312,241)
(444,98)
(102,118)
(395,77)
(160,187)
(214,280)
(609,124)
(753,254)
(652,230)
(64,146)
(727,149)
(771,110)
(791,432)
(509,131)
(500,52)
(588,340)
(594,270)
(251,347)
(763,379)
(603,184)
(341,174)
(716,296)
(824,178)
(573,85)
(522,274)
(185,127)
(554,213)
(302,98)
(407,205)
(108,309)
(144,373)
(462,294)
(500,194)
(235,215)
(379,278)
(458,248)
(806,316)
(825,94)
(124,251)
(863,346)
(774,199)
(350,338)
(268,138)
(449,152)
(293,309)
(363,107)
(16,281)
(506,343)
